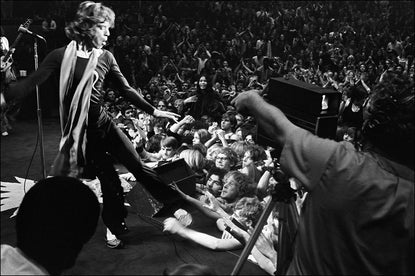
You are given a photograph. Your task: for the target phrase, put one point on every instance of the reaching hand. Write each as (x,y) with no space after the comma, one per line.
(172,225)
(214,204)
(174,186)
(166,114)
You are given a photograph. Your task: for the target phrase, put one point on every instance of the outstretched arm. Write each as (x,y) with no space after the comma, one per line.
(186,120)
(173,226)
(197,203)
(131,94)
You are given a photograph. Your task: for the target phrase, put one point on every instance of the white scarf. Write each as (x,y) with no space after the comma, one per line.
(74,118)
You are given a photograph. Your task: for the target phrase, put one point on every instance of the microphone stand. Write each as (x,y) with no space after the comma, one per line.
(283,198)
(39,113)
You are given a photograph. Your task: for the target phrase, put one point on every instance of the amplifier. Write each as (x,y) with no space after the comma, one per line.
(306,105)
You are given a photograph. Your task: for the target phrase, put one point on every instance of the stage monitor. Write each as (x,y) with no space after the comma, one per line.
(179,172)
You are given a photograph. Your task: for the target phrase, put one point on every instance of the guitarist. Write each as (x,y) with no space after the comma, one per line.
(7,76)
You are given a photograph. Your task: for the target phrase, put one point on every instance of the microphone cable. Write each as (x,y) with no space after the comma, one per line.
(30,163)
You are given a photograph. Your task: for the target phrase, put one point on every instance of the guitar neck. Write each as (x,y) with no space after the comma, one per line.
(18,38)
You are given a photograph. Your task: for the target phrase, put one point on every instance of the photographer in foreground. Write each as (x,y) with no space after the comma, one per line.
(358,217)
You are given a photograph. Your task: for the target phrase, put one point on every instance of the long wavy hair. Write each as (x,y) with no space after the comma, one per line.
(194,159)
(251,208)
(243,183)
(88,15)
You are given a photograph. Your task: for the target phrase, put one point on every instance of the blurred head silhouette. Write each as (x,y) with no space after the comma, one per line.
(57,216)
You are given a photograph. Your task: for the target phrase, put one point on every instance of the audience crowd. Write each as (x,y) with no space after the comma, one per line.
(193,58)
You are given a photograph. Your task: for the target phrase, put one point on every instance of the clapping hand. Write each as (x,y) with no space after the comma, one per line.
(220,134)
(188,119)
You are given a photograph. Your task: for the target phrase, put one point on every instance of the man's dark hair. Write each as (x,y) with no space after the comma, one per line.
(389,125)
(216,171)
(57,216)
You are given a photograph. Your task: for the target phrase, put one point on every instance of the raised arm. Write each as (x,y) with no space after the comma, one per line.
(197,203)
(186,120)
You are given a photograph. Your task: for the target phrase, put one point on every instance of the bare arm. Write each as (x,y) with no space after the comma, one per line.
(197,203)
(186,120)
(173,226)
(263,182)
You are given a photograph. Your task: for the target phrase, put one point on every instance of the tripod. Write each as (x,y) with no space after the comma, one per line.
(283,199)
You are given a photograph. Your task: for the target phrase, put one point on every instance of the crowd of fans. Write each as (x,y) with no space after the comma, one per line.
(193,58)
(237,46)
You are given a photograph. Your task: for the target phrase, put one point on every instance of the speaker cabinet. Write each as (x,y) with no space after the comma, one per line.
(306,105)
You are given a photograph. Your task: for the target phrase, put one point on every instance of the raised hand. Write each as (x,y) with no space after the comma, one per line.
(220,133)
(188,119)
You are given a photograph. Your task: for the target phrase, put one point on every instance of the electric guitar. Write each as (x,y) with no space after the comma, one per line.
(7,59)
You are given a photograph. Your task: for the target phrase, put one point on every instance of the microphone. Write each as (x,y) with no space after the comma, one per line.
(26,31)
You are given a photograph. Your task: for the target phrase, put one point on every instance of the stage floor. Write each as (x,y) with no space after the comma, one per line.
(148,250)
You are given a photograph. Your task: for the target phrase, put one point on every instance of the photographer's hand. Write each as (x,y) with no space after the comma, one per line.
(245,101)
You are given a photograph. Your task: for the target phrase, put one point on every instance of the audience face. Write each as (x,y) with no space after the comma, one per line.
(223,162)
(226,124)
(348,137)
(239,119)
(214,184)
(202,82)
(166,152)
(161,105)
(129,113)
(230,189)
(249,139)
(111,95)
(247,159)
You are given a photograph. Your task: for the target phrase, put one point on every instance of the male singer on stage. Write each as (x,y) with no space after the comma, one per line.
(90,140)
